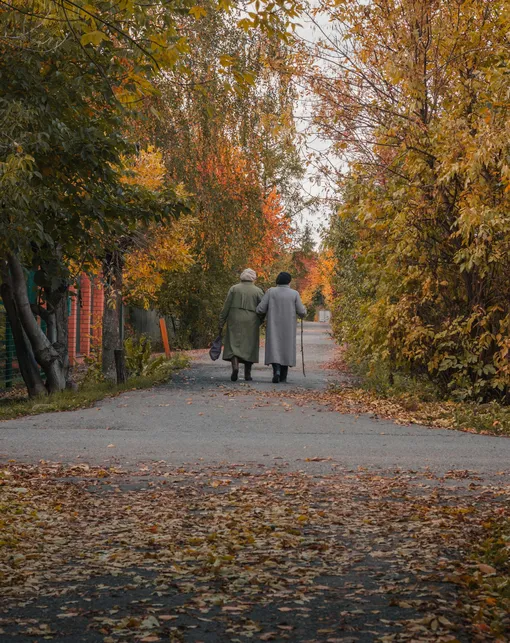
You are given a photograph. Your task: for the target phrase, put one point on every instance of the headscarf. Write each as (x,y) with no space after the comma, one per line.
(283,279)
(248,275)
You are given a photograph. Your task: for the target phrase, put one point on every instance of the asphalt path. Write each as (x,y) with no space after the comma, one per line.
(203,417)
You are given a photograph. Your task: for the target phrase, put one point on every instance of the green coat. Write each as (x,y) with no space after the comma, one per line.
(239,313)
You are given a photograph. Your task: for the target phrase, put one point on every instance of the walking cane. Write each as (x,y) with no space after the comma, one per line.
(302,349)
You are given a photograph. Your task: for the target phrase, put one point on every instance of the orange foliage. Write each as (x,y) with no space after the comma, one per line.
(306,266)
(228,193)
(231,217)
(318,277)
(276,237)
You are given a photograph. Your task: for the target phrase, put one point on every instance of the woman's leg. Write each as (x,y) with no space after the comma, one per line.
(235,369)
(247,371)
(284,370)
(276,373)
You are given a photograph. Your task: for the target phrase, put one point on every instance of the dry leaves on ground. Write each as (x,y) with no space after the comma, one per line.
(230,555)
(350,400)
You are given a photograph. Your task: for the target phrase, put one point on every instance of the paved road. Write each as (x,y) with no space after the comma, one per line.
(196,418)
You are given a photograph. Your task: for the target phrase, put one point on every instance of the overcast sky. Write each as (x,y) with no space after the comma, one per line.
(313,185)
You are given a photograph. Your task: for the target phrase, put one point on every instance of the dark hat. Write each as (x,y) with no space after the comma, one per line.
(283,279)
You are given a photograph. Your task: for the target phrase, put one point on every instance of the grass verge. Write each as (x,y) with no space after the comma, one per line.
(88,392)
(485,419)
(408,400)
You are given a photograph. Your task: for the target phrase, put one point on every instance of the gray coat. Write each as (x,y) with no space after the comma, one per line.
(282,305)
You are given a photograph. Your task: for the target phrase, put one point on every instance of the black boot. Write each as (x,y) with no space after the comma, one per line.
(276,373)
(247,372)
(235,369)
(283,373)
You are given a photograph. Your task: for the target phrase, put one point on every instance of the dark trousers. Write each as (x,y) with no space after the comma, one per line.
(280,372)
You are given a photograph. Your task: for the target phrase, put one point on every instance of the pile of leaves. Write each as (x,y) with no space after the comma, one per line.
(416,405)
(489,590)
(246,552)
(486,419)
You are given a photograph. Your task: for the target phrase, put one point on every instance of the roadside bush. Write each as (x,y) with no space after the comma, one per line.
(138,354)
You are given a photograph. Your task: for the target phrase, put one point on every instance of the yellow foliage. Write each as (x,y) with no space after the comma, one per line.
(164,247)
(145,268)
(147,169)
(422,240)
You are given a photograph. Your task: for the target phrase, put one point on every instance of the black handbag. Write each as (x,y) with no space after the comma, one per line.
(215,350)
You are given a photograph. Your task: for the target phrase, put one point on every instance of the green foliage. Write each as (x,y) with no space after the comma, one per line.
(195,299)
(61,159)
(351,286)
(379,378)
(160,368)
(138,351)
(491,418)
(94,368)
(317,301)
(305,243)
(140,363)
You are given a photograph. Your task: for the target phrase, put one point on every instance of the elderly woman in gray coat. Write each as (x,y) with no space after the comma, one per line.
(282,306)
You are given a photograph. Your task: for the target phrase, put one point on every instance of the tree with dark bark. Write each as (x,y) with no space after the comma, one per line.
(62,196)
(71,73)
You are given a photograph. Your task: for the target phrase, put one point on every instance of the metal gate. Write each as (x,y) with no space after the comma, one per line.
(9,370)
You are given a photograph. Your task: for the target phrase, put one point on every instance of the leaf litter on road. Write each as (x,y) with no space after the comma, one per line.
(235,553)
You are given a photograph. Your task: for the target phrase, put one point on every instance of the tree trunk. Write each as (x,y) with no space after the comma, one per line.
(27,365)
(112,275)
(120,365)
(59,302)
(44,352)
(56,317)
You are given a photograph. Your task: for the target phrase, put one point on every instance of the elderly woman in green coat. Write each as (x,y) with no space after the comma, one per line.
(241,343)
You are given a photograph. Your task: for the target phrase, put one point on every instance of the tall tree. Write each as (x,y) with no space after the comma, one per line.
(60,178)
(233,147)
(415,97)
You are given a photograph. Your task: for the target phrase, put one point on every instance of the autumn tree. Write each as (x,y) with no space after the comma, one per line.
(414,96)
(155,249)
(315,288)
(228,136)
(142,250)
(275,241)
(70,72)
(60,172)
